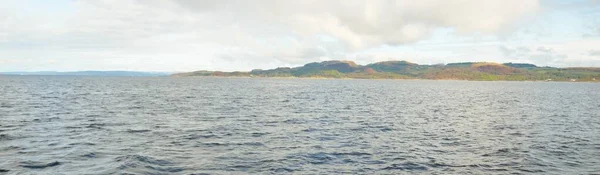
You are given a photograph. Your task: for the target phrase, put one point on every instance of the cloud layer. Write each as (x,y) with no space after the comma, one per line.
(240,35)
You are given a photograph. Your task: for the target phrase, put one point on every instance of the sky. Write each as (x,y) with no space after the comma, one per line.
(240,35)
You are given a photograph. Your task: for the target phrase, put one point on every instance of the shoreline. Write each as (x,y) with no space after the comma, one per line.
(346,78)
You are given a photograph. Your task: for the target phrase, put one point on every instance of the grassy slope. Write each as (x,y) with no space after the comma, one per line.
(405,70)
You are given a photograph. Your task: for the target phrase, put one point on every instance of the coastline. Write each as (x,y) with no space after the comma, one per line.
(399,79)
(399,70)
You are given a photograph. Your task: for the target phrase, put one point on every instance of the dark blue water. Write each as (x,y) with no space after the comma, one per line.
(103,125)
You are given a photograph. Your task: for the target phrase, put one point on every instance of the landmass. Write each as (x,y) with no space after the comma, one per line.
(480,71)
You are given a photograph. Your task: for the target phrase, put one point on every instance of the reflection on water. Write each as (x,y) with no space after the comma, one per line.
(100,125)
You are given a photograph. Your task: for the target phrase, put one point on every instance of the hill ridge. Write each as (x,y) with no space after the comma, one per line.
(401,69)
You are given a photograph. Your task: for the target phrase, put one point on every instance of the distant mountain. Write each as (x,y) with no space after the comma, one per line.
(92,73)
(407,70)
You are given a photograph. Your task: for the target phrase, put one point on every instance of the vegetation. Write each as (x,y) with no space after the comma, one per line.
(482,71)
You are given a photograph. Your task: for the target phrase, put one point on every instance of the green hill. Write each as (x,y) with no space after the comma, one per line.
(483,71)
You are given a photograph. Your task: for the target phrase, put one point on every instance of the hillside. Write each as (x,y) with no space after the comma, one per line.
(485,71)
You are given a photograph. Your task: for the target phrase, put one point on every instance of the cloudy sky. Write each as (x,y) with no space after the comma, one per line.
(186,35)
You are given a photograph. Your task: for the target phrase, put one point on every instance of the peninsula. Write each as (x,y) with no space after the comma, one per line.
(480,71)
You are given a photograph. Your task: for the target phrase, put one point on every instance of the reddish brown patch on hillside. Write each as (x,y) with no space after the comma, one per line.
(448,74)
(494,68)
(218,73)
(369,70)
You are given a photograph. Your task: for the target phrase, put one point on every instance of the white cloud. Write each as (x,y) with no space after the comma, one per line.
(545,49)
(7,61)
(571,53)
(170,35)
(363,24)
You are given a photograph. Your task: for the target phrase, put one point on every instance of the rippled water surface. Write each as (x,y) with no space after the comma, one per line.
(103,125)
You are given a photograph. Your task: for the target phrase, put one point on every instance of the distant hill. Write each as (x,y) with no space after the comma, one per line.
(486,71)
(92,73)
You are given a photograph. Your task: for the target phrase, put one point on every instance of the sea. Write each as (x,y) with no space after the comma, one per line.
(208,125)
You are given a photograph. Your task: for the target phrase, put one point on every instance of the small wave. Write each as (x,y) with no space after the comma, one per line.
(410,166)
(166,169)
(256,134)
(501,152)
(4,137)
(89,155)
(138,130)
(196,136)
(46,119)
(318,158)
(38,165)
(351,154)
(138,161)
(530,170)
(310,130)
(440,165)
(283,170)
(143,159)
(135,107)
(6,106)
(96,125)
(10,148)
(217,144)
(294,121)
(386,129)
(49,97)
(374,162)
(82,143)
(238,167)
(326,158)
(251,144)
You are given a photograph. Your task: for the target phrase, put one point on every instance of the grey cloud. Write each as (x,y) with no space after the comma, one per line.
(549,59)
(369,23)
(594,52)
(545,49)
(506,51)
(523,49)
(542,56)
(518,51)
(313,52)
(260,30)
(594,32)
(358,23)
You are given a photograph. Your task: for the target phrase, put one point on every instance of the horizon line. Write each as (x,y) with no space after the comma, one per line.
(180,71)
